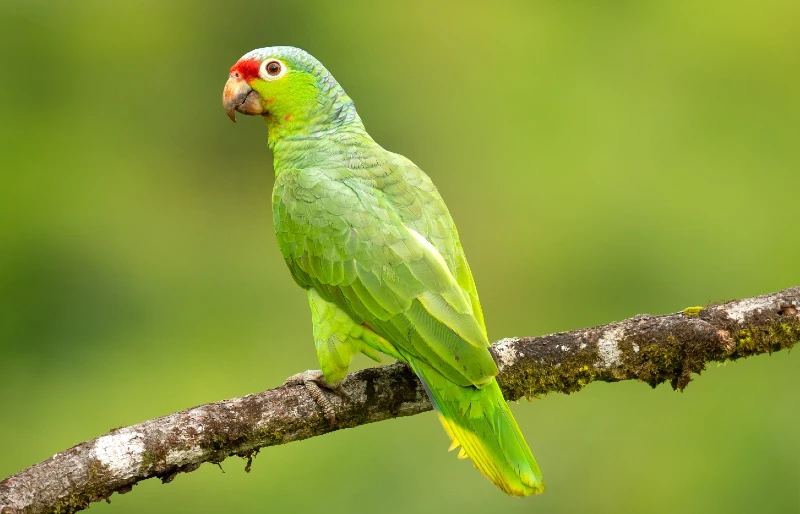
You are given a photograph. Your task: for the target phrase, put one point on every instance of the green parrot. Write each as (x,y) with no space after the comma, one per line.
(366,233)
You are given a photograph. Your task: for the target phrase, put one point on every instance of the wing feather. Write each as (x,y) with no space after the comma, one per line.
(380,260)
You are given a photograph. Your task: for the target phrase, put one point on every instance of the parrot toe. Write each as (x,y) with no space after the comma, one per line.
(314,382)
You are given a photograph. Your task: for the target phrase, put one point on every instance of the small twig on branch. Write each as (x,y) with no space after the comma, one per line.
(651,349)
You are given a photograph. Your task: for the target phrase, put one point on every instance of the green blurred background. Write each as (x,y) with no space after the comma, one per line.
(602,159)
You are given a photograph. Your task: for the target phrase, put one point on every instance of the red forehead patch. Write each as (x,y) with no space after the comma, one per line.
(246,70)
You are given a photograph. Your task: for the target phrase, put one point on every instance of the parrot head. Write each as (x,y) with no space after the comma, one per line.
(288,87)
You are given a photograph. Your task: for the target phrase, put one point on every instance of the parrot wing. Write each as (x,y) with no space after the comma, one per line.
(417,202)
(343,236)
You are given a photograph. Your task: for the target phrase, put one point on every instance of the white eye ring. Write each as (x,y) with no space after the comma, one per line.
(264,70)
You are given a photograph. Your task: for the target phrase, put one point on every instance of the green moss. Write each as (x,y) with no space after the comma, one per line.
(95,468)
(151,459)
(74,503)
(249,456)
(81,500)
(693,311)
(537,379)
(654,364)
(671,351)
(775,335)
(744,341)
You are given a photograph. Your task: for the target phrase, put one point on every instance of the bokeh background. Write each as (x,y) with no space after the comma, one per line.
(602,159)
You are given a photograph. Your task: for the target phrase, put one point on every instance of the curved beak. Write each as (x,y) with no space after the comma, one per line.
(239,96)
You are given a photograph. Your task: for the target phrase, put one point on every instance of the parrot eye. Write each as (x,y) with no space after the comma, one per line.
(272,69)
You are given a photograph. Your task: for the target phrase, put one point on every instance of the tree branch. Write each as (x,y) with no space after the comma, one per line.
(651,349)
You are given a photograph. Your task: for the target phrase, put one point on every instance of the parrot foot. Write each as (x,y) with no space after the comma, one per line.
(314,382)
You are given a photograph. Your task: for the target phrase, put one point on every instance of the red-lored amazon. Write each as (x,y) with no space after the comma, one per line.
(367,234)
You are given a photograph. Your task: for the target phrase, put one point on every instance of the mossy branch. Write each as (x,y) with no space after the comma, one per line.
(651,349)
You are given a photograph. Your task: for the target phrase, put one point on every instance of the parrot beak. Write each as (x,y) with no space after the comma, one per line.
(239,96)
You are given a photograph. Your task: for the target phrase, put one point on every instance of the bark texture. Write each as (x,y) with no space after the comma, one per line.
(652,349)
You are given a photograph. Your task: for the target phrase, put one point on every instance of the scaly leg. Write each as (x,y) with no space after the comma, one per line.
(314,382)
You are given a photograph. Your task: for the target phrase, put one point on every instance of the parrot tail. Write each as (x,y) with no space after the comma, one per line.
(480,421)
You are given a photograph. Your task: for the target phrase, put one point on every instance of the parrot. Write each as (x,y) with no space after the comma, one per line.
(367,234)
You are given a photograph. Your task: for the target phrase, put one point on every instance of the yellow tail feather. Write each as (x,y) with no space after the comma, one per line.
(480,421)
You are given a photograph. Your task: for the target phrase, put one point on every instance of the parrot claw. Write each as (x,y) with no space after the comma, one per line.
(314,382)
